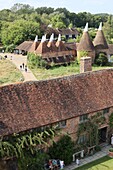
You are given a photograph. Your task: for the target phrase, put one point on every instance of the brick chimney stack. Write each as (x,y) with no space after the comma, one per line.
(85,64)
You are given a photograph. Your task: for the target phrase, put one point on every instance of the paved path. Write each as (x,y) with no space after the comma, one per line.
(18,60)
(88,159)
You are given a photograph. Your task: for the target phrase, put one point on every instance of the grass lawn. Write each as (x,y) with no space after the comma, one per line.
(9,73)
(105,163)
(59,71)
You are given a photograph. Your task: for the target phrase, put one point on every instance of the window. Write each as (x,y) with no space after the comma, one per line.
(83,118)
(106,110)
(82,139)
(61,124)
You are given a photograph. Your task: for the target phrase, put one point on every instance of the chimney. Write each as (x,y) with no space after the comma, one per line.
(85,64)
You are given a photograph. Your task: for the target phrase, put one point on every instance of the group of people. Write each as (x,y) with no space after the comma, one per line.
(23,66)
(55,164)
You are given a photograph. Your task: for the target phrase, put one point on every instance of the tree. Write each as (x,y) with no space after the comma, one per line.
(22,8)
(74,19)
(63,149)
(101,59)
(36,61)
(108,29)
(19,31)
(45,10)
(57,20)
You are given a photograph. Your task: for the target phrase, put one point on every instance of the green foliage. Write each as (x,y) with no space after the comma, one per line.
(92,33)
(32,162)
(22,8)
(98,148)
(13,33)
(45,10)
(90,128)
(82,54)
(27,146)
(9,48)
(57,20)
(111,150)
(7,149)
(18,31)
(101,59)
(36,61)
(108,29)
(63,149)
(111,120)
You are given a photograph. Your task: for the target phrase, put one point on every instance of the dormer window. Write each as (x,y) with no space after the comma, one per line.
(106,110)
(83,118)
(61,124)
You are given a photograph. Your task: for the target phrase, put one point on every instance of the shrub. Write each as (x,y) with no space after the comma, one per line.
(62,150)
(101,59)
(82,54)
(98,148)
(36,61)
(32,162)
(10,48)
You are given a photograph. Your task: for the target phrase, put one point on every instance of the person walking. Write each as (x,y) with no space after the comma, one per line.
(23,65)
(25,68)
(20,67)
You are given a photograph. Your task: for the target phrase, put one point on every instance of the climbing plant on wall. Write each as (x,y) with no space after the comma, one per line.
(90,128)
(26,143)
(111,120)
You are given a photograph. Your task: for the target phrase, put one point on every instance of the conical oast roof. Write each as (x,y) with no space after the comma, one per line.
(85,42)
(60,45)
(42,48)
(51,44)
(100,41)
(34,45)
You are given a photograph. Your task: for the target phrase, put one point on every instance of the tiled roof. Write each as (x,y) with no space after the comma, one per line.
(72,46)
(64,31)
(33,104)
(85,43)
(100,41)
(68,31)
(61,46)
(33,47)
(26,45)
(42,48)
(52,47)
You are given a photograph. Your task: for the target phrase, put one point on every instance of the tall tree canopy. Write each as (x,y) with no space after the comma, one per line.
(22,22)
